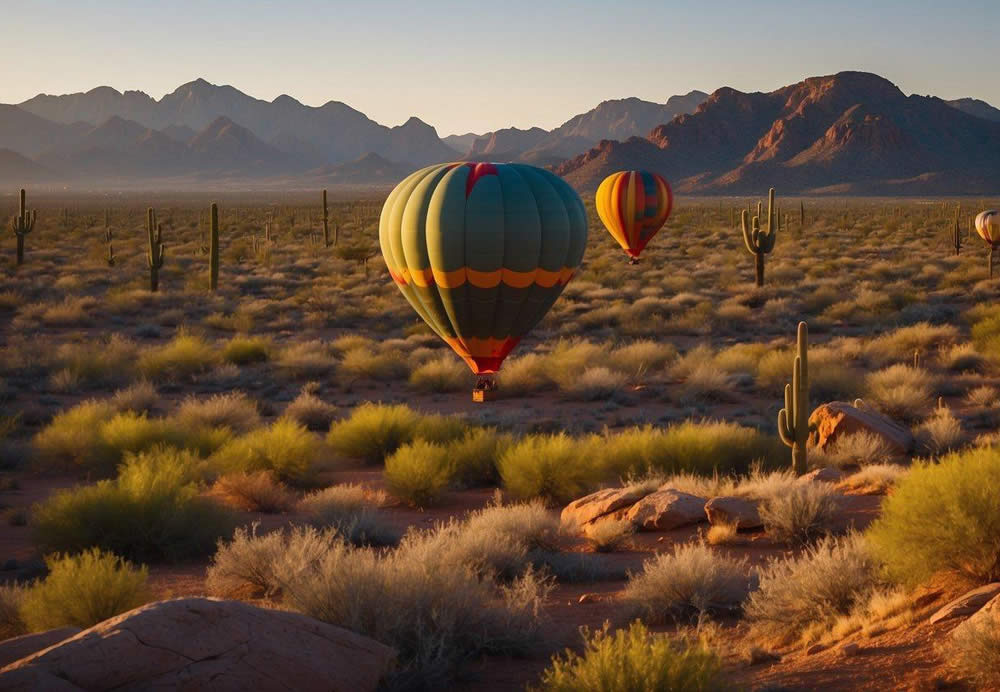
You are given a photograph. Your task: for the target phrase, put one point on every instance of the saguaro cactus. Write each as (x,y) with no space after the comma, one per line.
(760,242)
(154,255)
(21,225)
(793,420)
(956,237)
(213,249)
(326,223)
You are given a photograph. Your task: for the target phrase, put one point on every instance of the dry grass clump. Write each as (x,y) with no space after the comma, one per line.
(95,363)
(798,593)
(374,431)
(901,391)
(633,660)
(352,510)
(418,473)
(800,515)
(11,622)
(549,466)
(182,357)
(706,382)
(974,651)
(875,479)
(233,410)
(311,411)
(609,535)
(691,580)
(642,359)
(140,397)
(364,362)
(523,375)
(83,590)
(963,358)
(940,433)
(243,350)
(258,491)
(899,345)
(444,374)
(983,396)
(596,384)
(858,449)
(306,359)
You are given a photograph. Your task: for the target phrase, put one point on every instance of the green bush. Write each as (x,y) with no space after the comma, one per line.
(473,458)
(11,622)
(152,511)
(418,473)
(556,467)
(241,350)
(286,448)
(93,437)
(83,590)
(185,355)
(943,517)
(374,431)
(444,374)
(633,660)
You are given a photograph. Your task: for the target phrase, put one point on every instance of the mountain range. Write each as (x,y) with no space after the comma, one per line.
(850,133)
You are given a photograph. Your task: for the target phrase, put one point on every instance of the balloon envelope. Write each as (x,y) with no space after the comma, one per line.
(634,205)
(482,251)
(988,226)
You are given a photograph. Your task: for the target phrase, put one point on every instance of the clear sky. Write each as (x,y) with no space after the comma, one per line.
(479,66)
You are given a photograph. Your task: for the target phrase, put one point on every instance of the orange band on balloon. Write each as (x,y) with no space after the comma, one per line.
(458,277)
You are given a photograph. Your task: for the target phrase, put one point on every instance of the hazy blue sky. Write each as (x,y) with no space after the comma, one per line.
(482,65)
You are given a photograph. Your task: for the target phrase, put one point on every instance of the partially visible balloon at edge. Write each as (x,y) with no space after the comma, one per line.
(634,205)
(988,226)
(482,251)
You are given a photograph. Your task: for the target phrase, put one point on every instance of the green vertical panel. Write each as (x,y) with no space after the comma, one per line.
(577,214)
(413,238)
(553,252)
(446,243)
(484,247)
(390,238)
(522,246)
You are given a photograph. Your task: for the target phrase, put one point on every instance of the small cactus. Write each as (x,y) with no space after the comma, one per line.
(213,249)
(108,238)
(154,255)
(793,419)
(326,223)
(760,242)
(21,225)
(956,237)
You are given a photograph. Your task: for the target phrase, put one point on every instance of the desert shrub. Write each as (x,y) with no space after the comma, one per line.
(306,358)
(97,363)
(800,515)
(963,358)
(444,374)
(943,517)
(829,376)
(901,391)
(800,592)
(258,491)
(857,449)
(242,350)
(140,397)
(93,437)
(524,375)
(940,433)
(374,431)
(185,355)
(285,448)
(363,362)
(691,580)
(974,651)
(352,511)
(83,590)
(151,511)
(642,358)
(900,344)
(473,458)
(633,660)
(311,411)
(595,384)
(418,473)
(234,411)
(608,535)
(698,447)
(555,467)
(11,622)
(876,478)
(706,382)
(255,566)
(435,618)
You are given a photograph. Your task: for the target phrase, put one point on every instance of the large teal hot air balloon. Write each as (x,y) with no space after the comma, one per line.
(481,251)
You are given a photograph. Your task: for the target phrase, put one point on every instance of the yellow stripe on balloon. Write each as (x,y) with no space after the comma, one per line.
(425,278)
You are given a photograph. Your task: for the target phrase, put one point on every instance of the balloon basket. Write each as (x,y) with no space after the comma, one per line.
(486,390)
(633,260)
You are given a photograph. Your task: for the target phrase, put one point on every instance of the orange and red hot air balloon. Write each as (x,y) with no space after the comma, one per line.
(634,205)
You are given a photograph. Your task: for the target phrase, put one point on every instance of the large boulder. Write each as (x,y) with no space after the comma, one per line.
(733,510)
(16,648)
(987,617)
(205,643)
(667,509)
(967,603)
(838,418)
(599,505)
